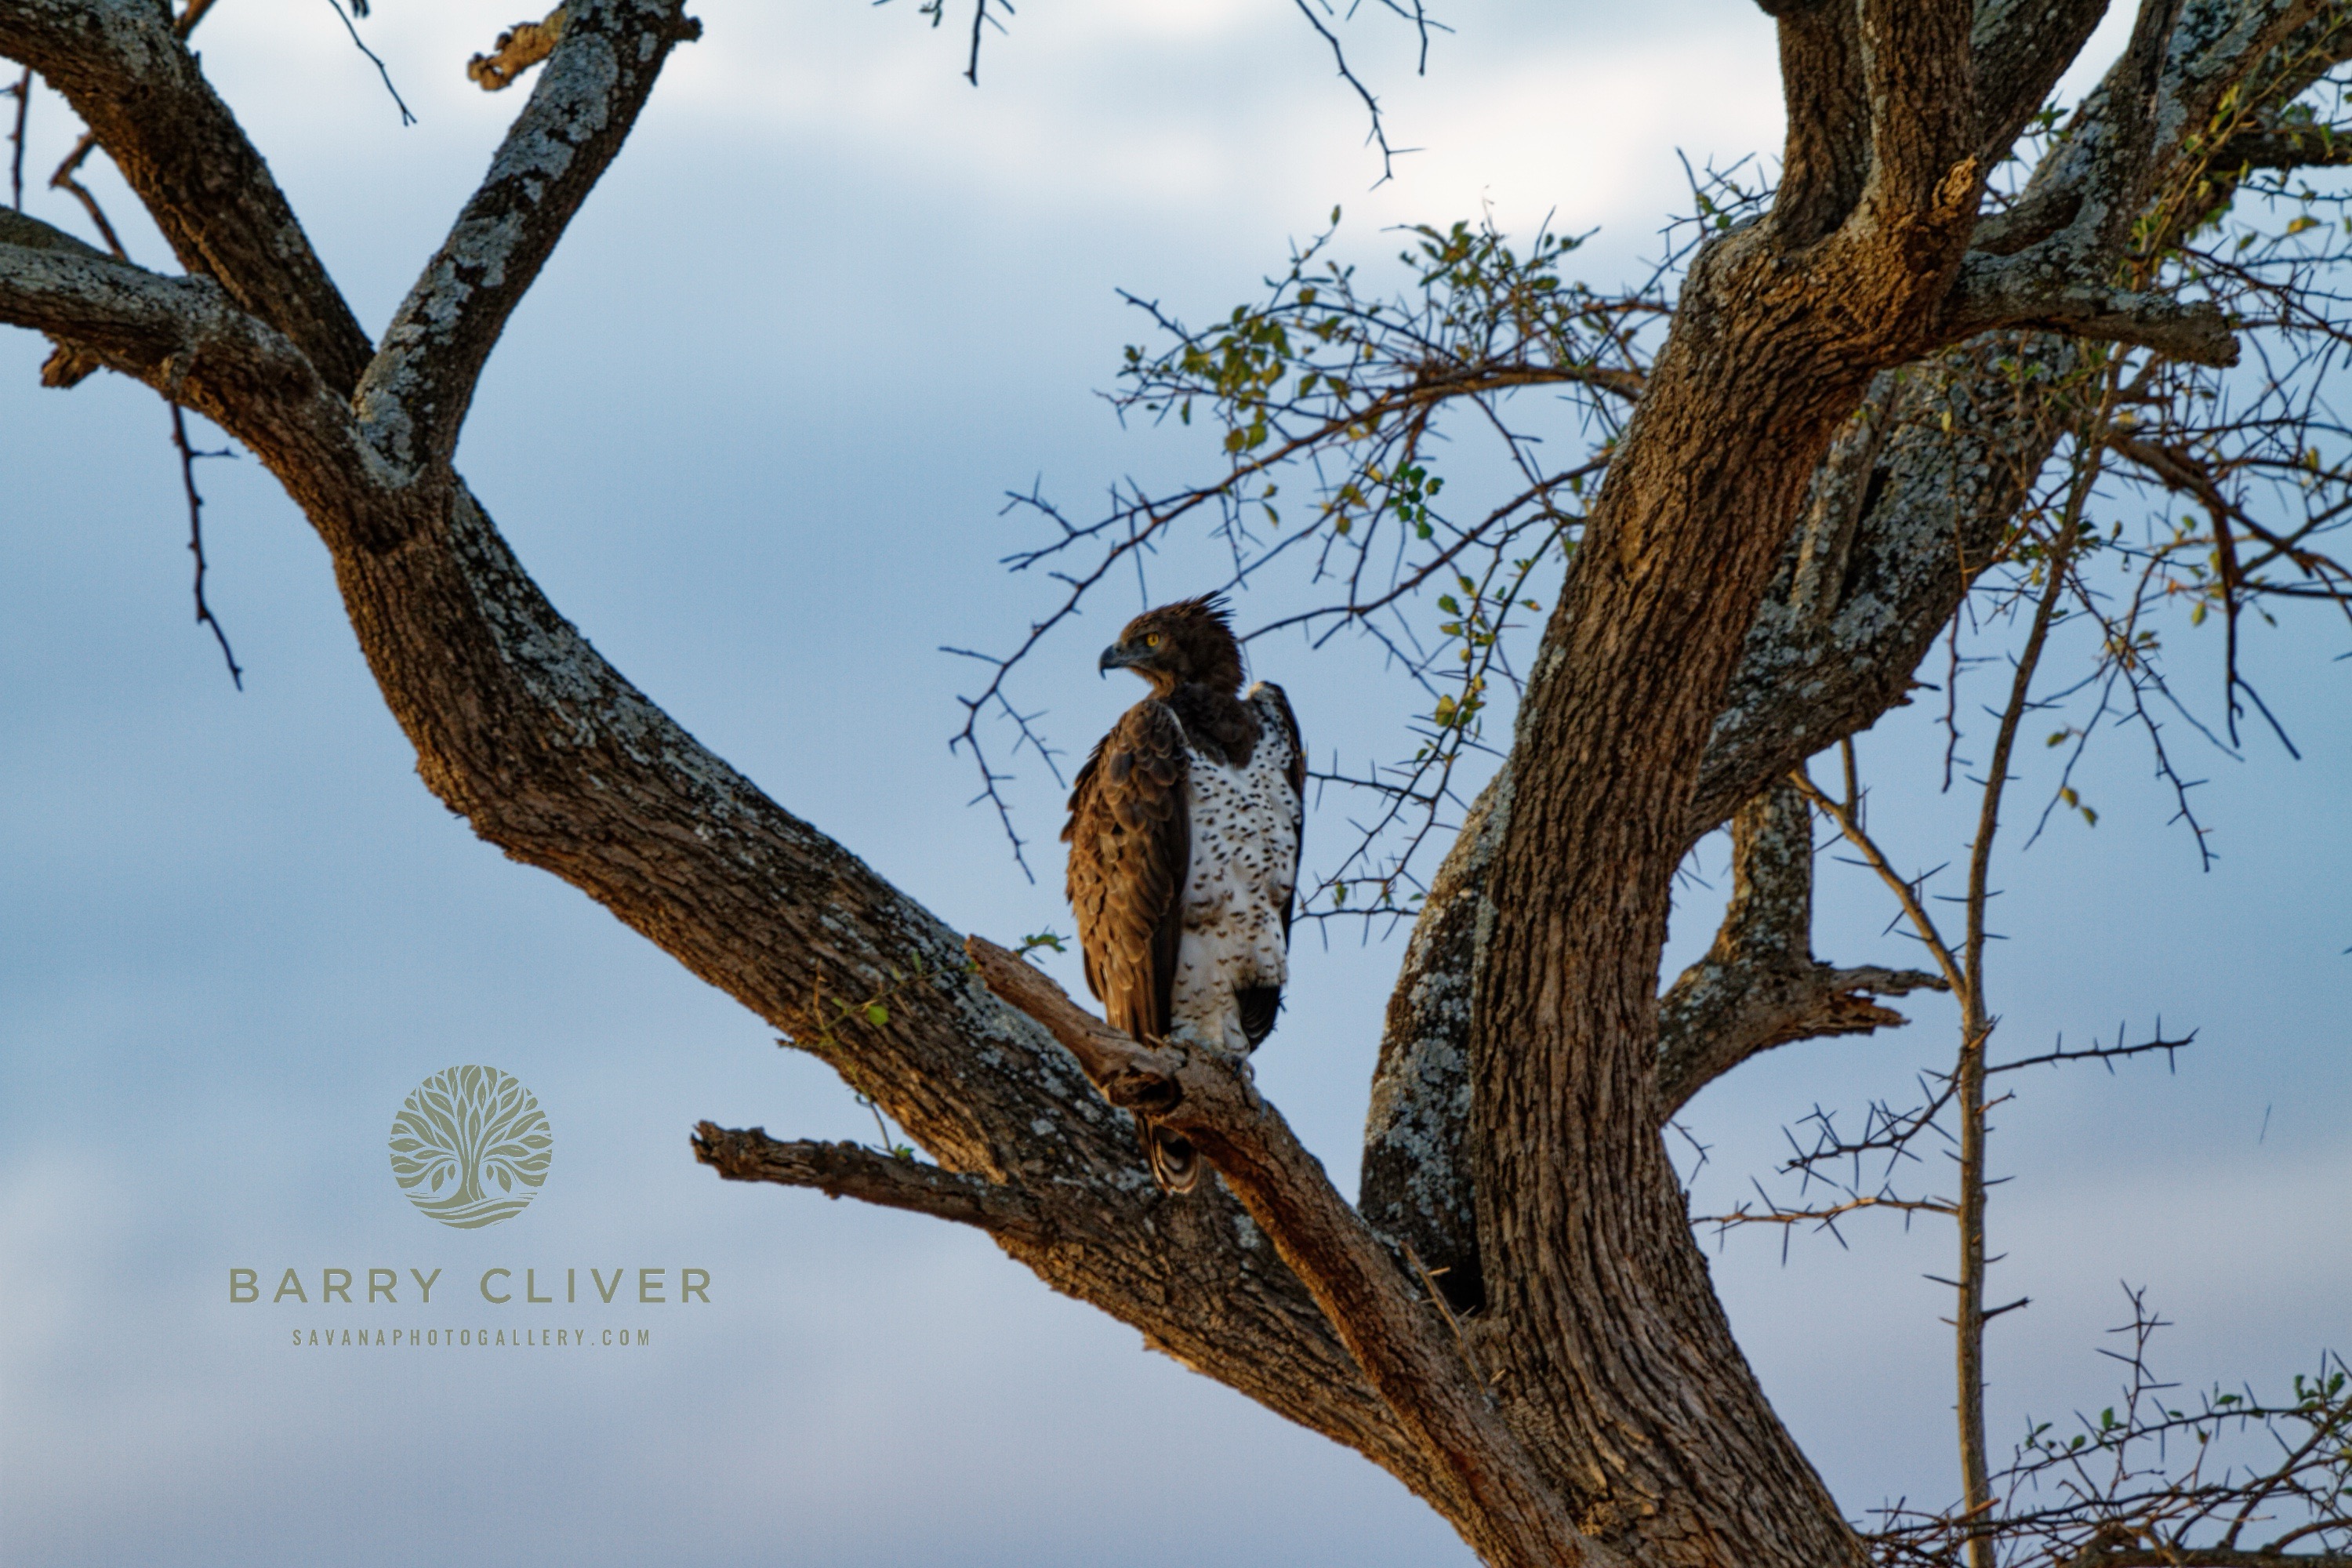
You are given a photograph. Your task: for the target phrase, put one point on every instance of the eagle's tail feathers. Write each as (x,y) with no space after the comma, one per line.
(1175,1163)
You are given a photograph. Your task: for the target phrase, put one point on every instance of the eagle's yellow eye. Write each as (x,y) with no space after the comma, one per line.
(1152,640)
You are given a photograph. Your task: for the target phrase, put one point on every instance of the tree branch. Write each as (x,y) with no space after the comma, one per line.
(183,335)
(1759,985)
(1906,510)
(2217,44)
(2026,291)
(1920,83)
(414,395)
(1509,1514)
(851,1170)
(2022,48)
(2050,261)
(1826,155)
(126,72)
(520,725)
(32,234)
(552,755)
(1416,1185)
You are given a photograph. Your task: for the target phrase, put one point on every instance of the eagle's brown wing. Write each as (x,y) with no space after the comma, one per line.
(1131,841)
(1130,838)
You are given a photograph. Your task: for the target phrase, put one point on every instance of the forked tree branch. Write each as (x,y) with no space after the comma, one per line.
(121,66)
(2052,260)
(1906,510)
(553,756)
(182,336)
(1657,1438)
(1510,1514)
(1832,650)
(414,395)
(1759,985)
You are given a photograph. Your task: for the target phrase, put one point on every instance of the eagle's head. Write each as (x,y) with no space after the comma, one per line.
(1186,643)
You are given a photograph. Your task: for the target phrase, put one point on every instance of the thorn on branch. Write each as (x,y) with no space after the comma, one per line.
(2099,1053)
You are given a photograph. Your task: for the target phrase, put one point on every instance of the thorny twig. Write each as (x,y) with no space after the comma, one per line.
(66,178)
(2157,1478)
(23,93)
(1350,388)
(188,456)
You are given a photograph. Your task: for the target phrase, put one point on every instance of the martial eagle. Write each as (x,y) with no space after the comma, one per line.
(1184,838)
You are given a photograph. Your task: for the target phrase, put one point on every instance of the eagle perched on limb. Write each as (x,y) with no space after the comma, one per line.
(1184,838)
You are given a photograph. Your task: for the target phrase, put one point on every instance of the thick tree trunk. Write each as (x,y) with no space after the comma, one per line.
(1619,1365)
(1596,1299)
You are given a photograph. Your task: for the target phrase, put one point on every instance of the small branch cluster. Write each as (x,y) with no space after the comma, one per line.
(2223,1479)
(1360,394)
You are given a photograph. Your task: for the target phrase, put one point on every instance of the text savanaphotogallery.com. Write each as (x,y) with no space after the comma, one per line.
(472,1339)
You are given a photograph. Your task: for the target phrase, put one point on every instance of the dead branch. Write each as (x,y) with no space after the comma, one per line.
(519,48)
(851,1170)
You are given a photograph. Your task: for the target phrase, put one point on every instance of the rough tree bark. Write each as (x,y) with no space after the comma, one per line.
(1760,574)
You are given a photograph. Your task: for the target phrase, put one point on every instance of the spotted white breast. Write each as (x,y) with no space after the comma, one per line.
(1245,864)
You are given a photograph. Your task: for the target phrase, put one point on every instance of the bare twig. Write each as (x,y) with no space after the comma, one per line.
(188,456)
(67,179)
(374,59)
(1976,1020)
(23,93)
(1378,135)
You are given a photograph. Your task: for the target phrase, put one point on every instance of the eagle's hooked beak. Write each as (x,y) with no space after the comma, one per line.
(1116,657)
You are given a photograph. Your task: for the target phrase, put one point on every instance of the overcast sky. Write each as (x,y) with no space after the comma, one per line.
(751,432)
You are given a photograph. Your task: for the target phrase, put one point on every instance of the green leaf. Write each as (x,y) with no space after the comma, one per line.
(876,1013)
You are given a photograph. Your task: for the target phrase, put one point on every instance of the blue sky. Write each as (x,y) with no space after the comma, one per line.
(751,431)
